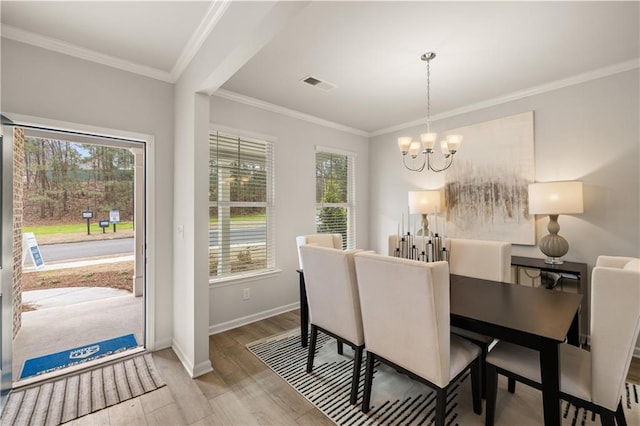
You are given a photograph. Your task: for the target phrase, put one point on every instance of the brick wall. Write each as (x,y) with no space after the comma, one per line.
(18,173)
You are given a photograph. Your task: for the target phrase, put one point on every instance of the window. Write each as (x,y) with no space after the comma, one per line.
(335,195)
(240,206)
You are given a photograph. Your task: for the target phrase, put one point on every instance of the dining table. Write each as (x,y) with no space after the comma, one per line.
(536,318)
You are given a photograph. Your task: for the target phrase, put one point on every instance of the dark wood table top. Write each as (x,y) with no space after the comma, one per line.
(499,310)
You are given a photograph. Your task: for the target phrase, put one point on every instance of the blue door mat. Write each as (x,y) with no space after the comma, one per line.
(51,362)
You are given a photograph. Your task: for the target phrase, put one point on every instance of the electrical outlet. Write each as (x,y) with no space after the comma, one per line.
(246,294)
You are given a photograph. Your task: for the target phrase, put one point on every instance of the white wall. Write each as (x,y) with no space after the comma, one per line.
(42,83)
(242,31)
(295,205)
(587,131)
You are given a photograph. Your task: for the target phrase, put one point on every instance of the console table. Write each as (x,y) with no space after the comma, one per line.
(577,269)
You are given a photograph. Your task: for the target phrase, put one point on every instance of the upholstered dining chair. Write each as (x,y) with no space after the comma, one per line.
(592,379)
(488,260)
(334,304)
(323,240)
(405,316)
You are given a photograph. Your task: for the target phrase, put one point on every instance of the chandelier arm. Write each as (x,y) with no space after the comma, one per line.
(419,169)
(447,163)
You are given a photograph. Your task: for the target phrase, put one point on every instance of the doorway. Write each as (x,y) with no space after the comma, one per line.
(94,319)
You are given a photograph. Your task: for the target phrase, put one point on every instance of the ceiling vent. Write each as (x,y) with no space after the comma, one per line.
(320,84)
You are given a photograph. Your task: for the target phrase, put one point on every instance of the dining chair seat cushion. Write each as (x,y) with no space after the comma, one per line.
(575,374)
(471,335)
(462,352)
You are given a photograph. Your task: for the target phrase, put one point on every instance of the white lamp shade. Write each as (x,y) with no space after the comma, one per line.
(414,148)
(423,202)
(428,140)
(453,142)
(556,198)
(403,143)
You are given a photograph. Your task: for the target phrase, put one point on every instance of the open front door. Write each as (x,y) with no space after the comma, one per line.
(6,265)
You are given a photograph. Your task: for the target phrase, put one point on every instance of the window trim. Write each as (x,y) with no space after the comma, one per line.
(271,269)
(351,204)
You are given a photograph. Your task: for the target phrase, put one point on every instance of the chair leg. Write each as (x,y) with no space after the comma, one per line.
(607,417)
(368,382)
(492,394)
(511,385)
(620,419)
(441,407)
(340,348)
(312,348)
(355,380)
(483,370)
(476,385)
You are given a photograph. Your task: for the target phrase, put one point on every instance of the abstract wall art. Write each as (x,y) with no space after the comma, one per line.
(486,188)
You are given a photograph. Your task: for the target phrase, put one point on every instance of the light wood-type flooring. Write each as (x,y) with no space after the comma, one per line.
(241,390)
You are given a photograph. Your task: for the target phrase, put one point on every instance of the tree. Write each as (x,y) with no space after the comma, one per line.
(333,219)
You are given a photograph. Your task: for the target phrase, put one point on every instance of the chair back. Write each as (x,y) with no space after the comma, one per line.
(615,325)
(323,240)
(332,291)
(488,260)
(405,313)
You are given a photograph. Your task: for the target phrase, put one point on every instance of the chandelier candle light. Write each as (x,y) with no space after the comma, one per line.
(408,146)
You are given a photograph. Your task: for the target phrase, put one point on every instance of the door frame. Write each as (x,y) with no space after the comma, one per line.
(148,144)
(6,267)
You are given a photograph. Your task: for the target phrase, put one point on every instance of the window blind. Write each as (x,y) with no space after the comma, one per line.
(335,196)
(241,195)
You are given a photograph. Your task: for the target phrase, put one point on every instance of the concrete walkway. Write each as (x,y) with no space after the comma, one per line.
(80,263)
(49,298)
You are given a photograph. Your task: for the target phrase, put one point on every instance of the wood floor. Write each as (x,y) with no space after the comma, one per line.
(241,390)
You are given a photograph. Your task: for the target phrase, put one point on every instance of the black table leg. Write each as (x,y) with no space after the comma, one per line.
(573,336)
(550,374)
(304,313)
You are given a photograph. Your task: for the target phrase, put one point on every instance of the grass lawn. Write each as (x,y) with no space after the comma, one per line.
(74,228)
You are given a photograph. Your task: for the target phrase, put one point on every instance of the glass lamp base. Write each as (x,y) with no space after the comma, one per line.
(554,260)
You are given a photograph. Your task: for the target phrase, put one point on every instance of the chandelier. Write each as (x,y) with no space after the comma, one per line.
(407,145)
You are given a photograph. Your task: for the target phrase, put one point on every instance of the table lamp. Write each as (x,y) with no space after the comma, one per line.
(424,202)
(553,199)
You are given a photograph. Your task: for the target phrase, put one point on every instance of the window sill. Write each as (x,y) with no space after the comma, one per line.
(243,278)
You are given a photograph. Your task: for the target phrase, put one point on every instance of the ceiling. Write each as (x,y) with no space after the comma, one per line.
(486,51)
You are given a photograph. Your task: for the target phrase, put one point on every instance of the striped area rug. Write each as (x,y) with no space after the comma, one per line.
(62,400)
(398,400)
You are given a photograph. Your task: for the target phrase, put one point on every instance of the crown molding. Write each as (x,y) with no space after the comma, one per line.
(16,34)
(226,94)
(197,39)
(537,90)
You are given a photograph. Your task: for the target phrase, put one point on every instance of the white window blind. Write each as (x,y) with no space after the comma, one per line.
(335,196)
(241,210)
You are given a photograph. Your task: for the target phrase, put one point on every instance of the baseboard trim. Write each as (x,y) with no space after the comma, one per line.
(181,356)
(636,352)
(239,322)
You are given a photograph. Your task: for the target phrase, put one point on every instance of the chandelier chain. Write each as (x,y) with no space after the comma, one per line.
(428,96)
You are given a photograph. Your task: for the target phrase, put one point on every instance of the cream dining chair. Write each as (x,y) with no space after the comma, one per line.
(322,240)
(487,260)
(405,317)
(592,379)
(334,304)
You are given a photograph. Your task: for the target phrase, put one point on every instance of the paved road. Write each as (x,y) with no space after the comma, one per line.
(241,235)
(81,250)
